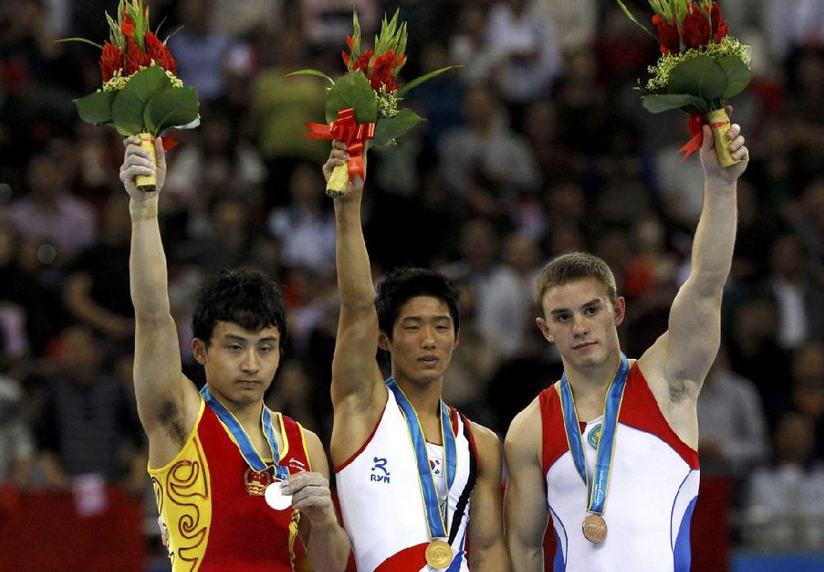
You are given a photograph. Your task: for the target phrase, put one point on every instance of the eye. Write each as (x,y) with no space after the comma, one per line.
(235,347)
(265,349)
(442,328)
(590,310)
(410,327)
(561,317)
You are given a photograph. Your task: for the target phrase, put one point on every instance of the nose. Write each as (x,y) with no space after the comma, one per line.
(250,362)
(579,326)
(428,337)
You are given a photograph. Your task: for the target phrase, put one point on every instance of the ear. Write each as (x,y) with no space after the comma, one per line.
(199,350)
(544,330)
(383,341)
(620,310)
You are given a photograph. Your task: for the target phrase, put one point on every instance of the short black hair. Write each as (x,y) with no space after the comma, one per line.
(404,283)
(247,298)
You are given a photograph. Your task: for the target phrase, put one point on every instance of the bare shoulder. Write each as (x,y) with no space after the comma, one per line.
(316,452)
(523,439)
(486,439)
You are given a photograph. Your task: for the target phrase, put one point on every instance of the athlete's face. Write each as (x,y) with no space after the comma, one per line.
(581,321)
(239,363)
(423,339)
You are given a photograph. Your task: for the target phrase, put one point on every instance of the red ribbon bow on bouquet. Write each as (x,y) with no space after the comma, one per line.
(696,124)
(345,128)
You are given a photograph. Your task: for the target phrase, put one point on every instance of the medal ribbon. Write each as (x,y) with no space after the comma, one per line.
(597,485)
(436,520)
(247,449)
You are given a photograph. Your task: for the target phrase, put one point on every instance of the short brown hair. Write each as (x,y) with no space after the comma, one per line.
(574,266)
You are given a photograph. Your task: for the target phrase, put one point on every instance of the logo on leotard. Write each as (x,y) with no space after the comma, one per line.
(379,465)
(595,436)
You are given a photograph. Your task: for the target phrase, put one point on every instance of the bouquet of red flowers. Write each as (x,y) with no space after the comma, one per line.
(140,94)
(363,105)
(700,68)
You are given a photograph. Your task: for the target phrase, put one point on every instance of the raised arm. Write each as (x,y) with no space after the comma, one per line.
(487,549)
(676,365)
(525,507)
(357,392)
(166,401)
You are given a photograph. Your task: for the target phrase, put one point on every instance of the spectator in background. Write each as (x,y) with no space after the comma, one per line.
(732,427)
(50,213)
(798,293)
(785,506)
(326,23)
(754,351)
(306,226)
(524,43)
(485,164)
(808,389)
(505,307)
(469,46)
(793,23)
(200,50)
(97,289)
(277,110)
(574,22)
(16,447)
(85,420)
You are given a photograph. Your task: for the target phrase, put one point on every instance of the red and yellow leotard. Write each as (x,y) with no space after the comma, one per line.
(213,523)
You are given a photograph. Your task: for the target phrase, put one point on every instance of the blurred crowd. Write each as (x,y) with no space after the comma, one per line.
(536,146)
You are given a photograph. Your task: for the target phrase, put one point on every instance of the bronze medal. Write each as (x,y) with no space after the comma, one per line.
(256,481)
(595,528)
(438,554)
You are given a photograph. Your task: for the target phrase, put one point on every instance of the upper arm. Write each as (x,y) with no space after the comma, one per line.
(355,371)
(318,462)
(167,402)
(525,508)
(488,551)
(677,363)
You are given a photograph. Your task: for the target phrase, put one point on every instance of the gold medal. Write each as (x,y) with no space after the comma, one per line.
(257,481)
(595,528)
(438,554)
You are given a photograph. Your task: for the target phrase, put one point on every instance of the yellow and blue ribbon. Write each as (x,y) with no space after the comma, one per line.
(597,485)
(436,520)
(244,443)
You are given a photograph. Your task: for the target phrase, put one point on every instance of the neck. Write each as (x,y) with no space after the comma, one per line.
(248,414)
(592,382)
(424,398)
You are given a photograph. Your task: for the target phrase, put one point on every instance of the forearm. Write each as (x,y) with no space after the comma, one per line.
(328,546)
(352,259)
(714,238)
(147,264)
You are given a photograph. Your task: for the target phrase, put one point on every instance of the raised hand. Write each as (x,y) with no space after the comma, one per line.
(338,156)
(738,150)
(137,161)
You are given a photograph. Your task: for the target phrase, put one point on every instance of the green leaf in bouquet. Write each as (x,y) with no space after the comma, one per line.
(699,75)
(316,73)
(634,19)
(738,75)
(130,103)
(659,103)
(352,90)
(420,79)
(390,128)
(96,108)
(172,107)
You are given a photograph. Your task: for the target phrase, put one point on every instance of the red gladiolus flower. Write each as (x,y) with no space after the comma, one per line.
(696,31)
(384,64)
(350,41)
(158,52)
(667,35)
(719,24)
(111,60)
(346,58)
(362,63)
(135,57)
